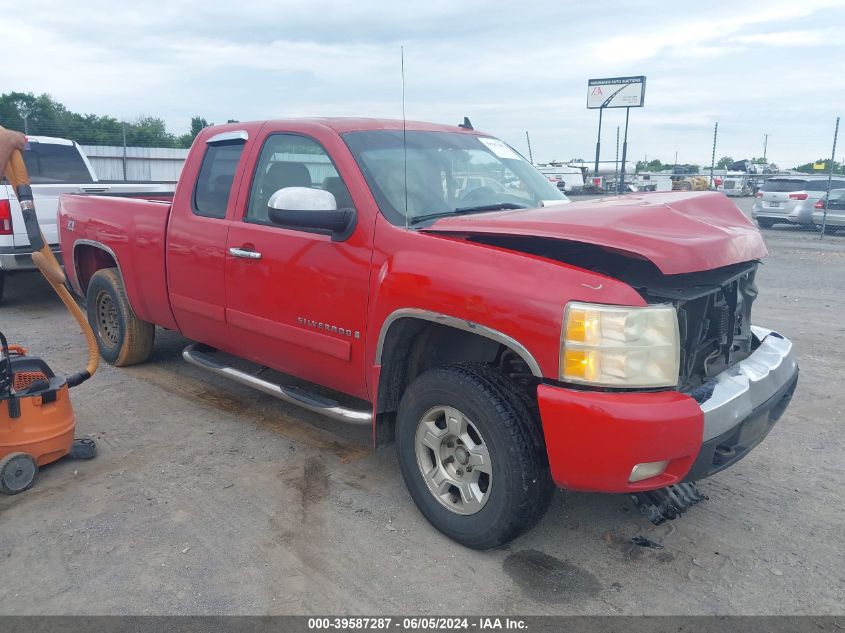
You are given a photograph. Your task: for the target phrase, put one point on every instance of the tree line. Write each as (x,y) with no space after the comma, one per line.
(726,161)
(44,116)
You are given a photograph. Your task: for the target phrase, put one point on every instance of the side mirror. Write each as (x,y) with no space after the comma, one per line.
(312,210)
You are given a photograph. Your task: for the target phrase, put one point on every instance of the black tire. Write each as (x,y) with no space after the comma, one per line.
(122,337)
(506,419)
(765,223)
(17,473)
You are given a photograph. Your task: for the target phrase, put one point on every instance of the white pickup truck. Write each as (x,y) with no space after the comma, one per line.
(55,166)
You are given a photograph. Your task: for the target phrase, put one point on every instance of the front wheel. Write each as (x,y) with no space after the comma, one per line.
(472,455)
(123,338)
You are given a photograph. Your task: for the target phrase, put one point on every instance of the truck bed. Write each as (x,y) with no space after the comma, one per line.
(132,228)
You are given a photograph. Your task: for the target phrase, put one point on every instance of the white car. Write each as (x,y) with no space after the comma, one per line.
(55,166)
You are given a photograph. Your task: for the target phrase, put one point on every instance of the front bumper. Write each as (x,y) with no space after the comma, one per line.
(595,439)
(20,259)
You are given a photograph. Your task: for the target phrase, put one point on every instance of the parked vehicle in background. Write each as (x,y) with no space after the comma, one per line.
(835,205)
(56,166)
(605,181)
(738,184)
(568,179)
(744,178)
(690,183)
(652,181)
(603,346)
(790,199)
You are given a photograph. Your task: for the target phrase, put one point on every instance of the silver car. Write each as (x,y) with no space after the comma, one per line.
(790,199)
(835,211)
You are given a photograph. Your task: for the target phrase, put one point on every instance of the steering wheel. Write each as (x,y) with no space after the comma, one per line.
(478,194)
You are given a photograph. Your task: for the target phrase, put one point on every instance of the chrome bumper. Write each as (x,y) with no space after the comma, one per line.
(12,260)
(743,388)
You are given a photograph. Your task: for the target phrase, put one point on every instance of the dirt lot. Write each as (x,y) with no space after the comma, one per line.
(210,498)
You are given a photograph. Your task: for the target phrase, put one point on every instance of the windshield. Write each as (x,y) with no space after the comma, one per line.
(448,173)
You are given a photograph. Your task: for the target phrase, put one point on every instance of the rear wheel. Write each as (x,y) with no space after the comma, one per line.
(765,223)
(472,454)
(122,337)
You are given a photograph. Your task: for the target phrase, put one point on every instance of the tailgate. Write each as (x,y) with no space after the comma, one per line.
(776,192)
(775,199)
(776,203)
(46,205)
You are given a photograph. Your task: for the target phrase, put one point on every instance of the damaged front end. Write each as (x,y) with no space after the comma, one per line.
(714,306)
(739,379)
(714,319)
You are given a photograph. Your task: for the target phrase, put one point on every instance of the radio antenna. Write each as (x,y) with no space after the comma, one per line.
(404,134)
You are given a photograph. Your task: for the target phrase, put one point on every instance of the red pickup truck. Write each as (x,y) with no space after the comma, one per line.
(444,292)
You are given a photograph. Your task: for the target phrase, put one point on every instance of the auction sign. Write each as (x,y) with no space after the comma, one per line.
(616,92)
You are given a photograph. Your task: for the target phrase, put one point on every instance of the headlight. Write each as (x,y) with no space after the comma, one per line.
(615,346)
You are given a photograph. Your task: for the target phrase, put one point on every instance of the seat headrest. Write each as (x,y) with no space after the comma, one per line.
(285,174)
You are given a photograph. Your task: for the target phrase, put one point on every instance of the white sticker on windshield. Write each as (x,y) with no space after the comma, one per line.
(499,148)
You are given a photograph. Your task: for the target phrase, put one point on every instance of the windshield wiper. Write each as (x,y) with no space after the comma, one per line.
(499,206)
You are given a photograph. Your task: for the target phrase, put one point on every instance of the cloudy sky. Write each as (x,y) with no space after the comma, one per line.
(754,66)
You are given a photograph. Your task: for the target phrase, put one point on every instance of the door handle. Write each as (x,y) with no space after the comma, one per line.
(244,254)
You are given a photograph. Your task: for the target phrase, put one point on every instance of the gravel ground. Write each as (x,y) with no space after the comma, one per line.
(208,498)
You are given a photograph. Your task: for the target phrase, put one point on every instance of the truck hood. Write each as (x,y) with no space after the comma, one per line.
(678,232)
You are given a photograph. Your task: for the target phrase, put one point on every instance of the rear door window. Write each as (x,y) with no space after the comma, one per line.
(214,182)
(783,185)
(48,163)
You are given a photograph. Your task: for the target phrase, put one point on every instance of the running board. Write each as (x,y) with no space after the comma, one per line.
(293,395)
(669,502)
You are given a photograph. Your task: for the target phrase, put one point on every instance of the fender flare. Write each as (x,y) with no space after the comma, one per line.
(459,324)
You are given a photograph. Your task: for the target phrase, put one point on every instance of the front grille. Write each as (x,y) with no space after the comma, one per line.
(729,184)
(714,319)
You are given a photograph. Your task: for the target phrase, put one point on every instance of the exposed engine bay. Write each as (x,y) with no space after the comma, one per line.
(714,306)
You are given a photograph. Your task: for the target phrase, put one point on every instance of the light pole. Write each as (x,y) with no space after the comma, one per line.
(765,146)
(713,155)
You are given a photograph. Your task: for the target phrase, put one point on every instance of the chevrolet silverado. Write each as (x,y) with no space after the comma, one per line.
(506,342)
